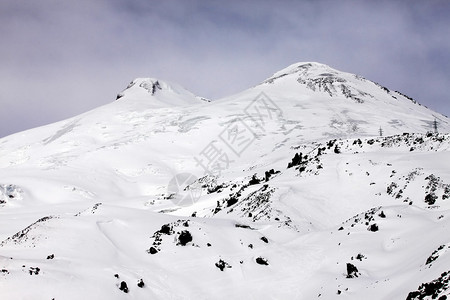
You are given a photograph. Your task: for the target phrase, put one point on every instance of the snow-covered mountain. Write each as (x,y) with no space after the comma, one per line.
(313,184)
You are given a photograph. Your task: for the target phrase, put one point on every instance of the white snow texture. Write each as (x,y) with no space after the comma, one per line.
(314,184)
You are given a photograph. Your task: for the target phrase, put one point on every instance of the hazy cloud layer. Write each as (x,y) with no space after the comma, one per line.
(61,58)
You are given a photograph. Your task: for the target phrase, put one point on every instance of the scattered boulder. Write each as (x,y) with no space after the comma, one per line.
(262,261)
(373,227)
(140,283)
(221,264)
(166,229)
(123,287)
(184,238)
(360,256)
(352,271)
(152,250)
(34,271)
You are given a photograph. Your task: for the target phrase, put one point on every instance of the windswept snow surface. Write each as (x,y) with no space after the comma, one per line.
(297,196)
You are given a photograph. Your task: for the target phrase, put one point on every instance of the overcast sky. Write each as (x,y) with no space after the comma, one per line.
(61,58)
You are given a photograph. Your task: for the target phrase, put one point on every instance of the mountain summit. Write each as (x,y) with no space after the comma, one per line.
(160,93)
(322,78)
(315,183)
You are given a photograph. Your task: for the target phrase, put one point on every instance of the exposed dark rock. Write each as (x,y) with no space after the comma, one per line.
(140,283)
(221,264)
(123,287)
(373,227)
(231,201)
(166,229)
(296,160)
(184,238)
(390,189)
(269,173)
(432,289)
(262,261)
(34,271)
(360,256)
(431,198)
(243,226)
(352,271)
(254,180)
(152,250)
(434,255)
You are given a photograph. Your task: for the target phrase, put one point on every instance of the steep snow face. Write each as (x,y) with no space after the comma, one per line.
(294,195)
(322,78)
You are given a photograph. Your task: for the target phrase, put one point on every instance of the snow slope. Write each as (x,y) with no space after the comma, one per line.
(296,195)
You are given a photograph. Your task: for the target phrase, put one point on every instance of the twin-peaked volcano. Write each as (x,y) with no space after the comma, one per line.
(297,196)
(323,99)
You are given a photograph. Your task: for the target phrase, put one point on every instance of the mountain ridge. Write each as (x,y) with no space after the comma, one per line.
(293,189)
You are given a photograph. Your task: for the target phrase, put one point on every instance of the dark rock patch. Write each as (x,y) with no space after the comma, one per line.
(184,238)
(373,227)
(433,289)
(152,250)
(222,265)
(123,287)
(352,271)
(262,261)
(140,283)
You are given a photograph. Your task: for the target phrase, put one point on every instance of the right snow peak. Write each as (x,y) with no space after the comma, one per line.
(322,78)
